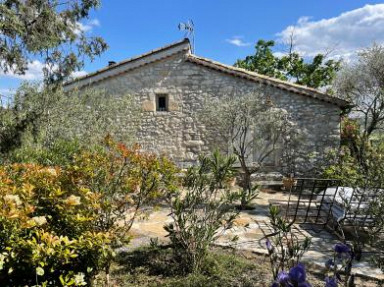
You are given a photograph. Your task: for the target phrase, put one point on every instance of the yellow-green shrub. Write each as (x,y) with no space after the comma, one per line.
(60,225)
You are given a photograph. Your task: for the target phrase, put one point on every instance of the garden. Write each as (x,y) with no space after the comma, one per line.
(83,204)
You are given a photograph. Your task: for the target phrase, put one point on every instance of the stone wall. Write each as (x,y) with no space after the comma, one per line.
(177,132)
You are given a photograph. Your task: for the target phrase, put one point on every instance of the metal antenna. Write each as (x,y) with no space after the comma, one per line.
(189,28)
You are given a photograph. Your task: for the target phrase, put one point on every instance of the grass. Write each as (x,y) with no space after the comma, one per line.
(148,266)
(156,266)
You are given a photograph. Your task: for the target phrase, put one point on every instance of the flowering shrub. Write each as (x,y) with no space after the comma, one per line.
(338,269)
(296,277)
(60,225)
(286,251)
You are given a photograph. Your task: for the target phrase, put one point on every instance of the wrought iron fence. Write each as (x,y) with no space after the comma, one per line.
(325,203)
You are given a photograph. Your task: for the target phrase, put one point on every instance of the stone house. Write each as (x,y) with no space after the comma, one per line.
(171,84)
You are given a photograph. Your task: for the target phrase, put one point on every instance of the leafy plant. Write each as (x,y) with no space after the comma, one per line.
(286,249)
(60,225)
(48,31)
(340,266)
(318,72)
(44,119)
(362,83)
(203,211)
(254,131)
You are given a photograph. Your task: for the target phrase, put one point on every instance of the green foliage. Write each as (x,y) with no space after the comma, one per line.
(316,73)
(60,153)
(47,30)
(344,167)
(158,267)
(203,211)
(60,225)
(44,119)
(263,62)
(255,131)
(286,249)
(362,83)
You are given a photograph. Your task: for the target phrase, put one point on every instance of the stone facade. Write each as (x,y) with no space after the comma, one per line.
(177,132)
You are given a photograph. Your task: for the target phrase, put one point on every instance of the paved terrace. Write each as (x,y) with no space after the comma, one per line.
(252,238)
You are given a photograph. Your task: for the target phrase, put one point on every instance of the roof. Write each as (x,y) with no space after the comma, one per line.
(280,84)
(184,46)
(132,63)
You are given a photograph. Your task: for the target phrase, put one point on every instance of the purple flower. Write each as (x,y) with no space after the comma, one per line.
(269,245)
(342,248)
(275,284)
(297,274)
(282,277)
(330,282)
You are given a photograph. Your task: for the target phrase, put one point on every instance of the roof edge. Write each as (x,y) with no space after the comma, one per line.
(130,60)
(295,88)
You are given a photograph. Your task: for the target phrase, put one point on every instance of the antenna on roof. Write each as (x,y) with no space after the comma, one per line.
(189,28)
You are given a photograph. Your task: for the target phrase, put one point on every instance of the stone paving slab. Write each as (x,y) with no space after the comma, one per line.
(252,237)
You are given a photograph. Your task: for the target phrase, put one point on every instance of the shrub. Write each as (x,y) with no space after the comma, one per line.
(38,118)
(203,211)
(60,225)
(60,153)
(286,249)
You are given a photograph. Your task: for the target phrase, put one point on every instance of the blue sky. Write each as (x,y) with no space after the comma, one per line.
(227,29)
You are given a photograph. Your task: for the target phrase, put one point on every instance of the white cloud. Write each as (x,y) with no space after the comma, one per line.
(78,74)
(33,73)
(238,41)
(86,27)
(343,35)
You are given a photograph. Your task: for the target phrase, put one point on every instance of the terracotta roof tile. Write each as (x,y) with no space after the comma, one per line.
(284,85)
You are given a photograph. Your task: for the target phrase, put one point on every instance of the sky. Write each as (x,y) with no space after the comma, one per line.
(226,30)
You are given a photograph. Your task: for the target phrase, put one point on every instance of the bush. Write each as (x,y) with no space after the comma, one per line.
(60,153)
(204,211)
(285,249)
(39,118)
(60,225)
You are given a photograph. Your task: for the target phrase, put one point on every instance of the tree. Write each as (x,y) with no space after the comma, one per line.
(362,83)
(263,62)
(250,128)
(47,30)
(39,118)
(291,67)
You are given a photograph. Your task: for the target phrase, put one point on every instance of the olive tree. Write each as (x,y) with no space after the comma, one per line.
(362,82)
(250,127)
(40,117)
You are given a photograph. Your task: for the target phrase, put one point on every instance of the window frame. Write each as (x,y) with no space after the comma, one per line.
(163,109)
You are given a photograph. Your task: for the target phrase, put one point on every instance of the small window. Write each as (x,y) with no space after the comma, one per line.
(162,103)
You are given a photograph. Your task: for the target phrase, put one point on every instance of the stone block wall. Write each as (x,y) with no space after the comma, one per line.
(178,133)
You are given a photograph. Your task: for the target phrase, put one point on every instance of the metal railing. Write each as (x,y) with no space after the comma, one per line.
(325,203)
